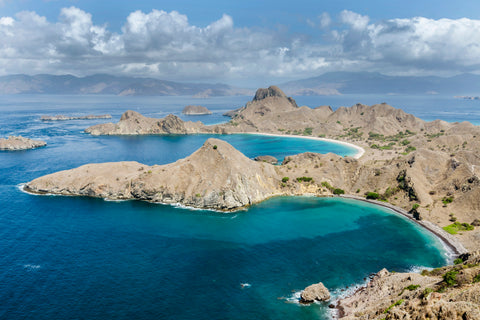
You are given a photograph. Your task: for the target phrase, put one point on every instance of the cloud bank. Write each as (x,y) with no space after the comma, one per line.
(166,45)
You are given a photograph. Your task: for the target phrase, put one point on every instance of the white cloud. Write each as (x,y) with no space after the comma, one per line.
(325,20)
(355,20)
(166,45)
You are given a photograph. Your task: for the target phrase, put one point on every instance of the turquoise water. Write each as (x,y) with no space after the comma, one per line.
(83,258)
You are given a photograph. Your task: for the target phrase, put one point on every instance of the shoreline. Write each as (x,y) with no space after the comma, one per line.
(358,155)
(447,239)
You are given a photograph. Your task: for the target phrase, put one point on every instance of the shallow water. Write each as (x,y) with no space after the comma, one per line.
(71,257)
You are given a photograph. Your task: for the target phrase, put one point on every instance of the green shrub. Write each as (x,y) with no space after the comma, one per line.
(338,191)
(476,278)
(305,179)
(458,261)
(372,195)
(285,179)
(307,131)
(426,292)
(415,206)
(215,147)
(405,142)
(397,303)
(450,278)
(455,227)
(327,185)
(447,200)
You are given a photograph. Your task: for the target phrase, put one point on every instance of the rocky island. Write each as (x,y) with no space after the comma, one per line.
(191,110)
(20,143)
(428,170)
(61,117)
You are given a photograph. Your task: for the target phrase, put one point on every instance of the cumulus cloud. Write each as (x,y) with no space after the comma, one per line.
(166,45)
(420,43)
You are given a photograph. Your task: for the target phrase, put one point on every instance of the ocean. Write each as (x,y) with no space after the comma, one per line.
(83,258)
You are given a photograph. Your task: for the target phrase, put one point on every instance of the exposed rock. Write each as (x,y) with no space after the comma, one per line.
(413,296)
(216,176)
(315,292)
(133,122)
(195,110)
(62,117)
(268,159)
(20,143)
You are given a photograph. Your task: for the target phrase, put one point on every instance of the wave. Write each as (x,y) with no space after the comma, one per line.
(32,266)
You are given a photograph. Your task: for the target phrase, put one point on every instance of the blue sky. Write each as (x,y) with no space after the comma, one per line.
(238,42)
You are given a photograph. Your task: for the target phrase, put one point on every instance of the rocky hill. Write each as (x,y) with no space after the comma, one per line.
(195,110)
(133,123)
(451,292)
(216,176)
(20,143)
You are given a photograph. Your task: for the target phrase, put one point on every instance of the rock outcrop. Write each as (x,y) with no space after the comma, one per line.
(446,293)
(315,292)
(195,110)
(268,159)
(61,117)
(216,176)
(20,143)
(133,123)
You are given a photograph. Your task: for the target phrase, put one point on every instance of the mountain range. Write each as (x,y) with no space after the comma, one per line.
(332,83)
(108,84)
(376,83)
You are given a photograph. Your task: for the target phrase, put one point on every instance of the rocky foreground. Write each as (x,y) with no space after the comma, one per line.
(451,293)
(20,143)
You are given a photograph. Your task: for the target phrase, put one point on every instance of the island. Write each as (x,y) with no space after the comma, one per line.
(191,110)
(13,143)
(427,171)
(61,117)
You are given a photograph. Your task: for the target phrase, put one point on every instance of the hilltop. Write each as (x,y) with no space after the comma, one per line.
(216,176)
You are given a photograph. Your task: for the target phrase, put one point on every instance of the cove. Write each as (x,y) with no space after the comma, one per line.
(69,258)
(65,256)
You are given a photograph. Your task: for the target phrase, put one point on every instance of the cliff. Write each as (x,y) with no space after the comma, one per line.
(20,143)
(216,176)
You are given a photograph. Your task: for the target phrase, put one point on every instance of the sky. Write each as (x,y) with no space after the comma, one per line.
(243,43)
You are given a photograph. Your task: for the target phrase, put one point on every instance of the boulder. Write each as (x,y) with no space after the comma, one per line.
(315,292)
(268,159)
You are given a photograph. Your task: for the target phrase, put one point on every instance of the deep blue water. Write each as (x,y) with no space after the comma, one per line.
(82,258)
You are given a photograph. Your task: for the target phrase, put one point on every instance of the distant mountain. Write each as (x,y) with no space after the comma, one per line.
(108,84)
(370,82)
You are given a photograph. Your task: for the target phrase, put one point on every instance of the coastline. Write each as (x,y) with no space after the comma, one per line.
(358,155)
(450,241)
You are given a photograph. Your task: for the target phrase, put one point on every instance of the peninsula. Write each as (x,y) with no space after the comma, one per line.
(428,169)
(13,143)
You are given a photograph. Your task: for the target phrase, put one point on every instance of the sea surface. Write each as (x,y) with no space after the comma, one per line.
(83,258)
